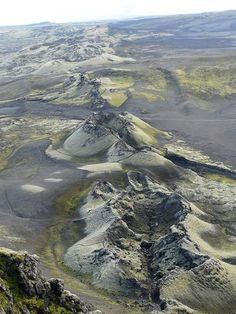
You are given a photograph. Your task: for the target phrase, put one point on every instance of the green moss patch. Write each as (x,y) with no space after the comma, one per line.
(145,133)
(117,82)
(114,89)
(149,85)
(221,179)
(208,81)
(115,98)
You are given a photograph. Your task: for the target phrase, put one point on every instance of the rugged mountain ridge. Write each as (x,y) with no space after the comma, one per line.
(155,233)
(163,210)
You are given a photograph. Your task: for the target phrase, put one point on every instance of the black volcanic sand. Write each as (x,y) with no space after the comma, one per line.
(212,132)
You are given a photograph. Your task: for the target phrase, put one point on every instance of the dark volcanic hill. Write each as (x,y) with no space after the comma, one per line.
(183,24)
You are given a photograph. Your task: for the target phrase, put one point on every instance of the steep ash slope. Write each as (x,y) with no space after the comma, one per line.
(101,130)
(121,138)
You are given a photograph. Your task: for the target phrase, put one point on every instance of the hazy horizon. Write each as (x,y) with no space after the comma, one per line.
(15,12)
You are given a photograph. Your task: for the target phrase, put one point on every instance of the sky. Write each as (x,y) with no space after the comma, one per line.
(14,12)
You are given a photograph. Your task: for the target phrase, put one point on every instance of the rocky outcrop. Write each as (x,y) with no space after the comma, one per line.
(24,290)
(133,234)
(100,131)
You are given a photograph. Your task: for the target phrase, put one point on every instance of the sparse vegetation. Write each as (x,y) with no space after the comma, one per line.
(151,85)
(115,98)
(17,132)
(208,81)
(114,89)
(221,179)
